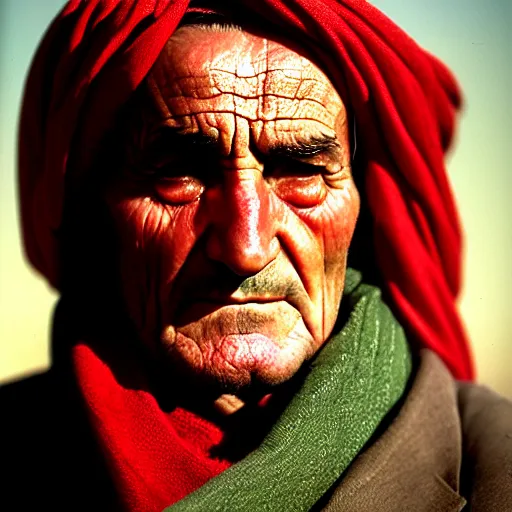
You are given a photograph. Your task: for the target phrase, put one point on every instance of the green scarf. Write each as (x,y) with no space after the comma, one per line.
(352,384)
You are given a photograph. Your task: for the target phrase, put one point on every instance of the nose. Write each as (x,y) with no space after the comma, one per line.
(243,223)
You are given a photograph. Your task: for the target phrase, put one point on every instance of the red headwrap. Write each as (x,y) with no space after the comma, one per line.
(97,52)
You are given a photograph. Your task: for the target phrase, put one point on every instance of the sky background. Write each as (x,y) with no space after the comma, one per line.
(471,36)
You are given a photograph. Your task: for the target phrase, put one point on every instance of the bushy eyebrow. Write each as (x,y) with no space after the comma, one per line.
(307,148)
(177,139)
(301,149)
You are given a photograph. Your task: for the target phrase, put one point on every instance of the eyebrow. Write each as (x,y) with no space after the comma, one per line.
(308,148)
(304,149)
(182,140)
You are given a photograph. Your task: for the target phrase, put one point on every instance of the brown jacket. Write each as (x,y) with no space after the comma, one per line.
(448,449)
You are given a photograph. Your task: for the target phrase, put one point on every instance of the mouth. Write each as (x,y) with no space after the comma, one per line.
(195,308)
(234,299)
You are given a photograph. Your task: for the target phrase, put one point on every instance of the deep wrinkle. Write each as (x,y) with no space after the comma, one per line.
(246,270)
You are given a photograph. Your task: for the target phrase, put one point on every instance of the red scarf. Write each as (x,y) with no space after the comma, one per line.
(156,457)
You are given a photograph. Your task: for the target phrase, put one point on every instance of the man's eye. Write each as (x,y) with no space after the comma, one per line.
(298,183)
(174,179)
(178,189)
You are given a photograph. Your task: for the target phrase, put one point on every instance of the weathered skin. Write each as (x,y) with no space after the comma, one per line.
(233,257)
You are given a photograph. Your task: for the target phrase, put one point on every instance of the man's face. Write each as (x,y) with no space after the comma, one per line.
(235,209)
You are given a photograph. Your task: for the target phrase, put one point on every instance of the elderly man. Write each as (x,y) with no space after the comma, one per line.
(191,177)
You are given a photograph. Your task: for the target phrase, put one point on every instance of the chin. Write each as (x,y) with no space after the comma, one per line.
(237,363)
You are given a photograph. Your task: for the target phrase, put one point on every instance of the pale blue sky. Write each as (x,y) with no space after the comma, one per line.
(471,36)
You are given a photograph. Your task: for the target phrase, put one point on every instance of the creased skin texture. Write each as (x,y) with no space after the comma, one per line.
(233,253)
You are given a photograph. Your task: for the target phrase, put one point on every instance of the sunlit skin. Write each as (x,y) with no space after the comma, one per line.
(235,210)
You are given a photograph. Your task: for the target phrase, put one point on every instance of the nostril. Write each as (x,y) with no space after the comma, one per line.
(243,255)
(242,259)
(249,262)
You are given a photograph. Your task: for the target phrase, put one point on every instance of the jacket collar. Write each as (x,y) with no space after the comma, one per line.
(415,464)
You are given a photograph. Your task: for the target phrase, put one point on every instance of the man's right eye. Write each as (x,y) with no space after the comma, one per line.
(178,189)
(174,179)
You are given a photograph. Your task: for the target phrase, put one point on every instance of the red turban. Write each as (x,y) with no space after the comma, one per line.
(404,100)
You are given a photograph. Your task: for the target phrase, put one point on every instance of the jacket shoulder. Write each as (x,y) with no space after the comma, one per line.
(486,423)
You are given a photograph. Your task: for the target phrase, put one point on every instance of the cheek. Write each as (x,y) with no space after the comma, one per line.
(341,224)
(320,254)
(333,222)
(148,229)
(154,241)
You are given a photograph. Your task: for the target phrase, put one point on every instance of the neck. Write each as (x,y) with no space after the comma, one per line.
(226,405)
(245,418)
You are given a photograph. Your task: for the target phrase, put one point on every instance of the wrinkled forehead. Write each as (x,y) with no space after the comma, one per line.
(255,76)
(221,44)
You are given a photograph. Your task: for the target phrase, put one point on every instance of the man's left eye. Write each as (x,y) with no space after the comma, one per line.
(298,183)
